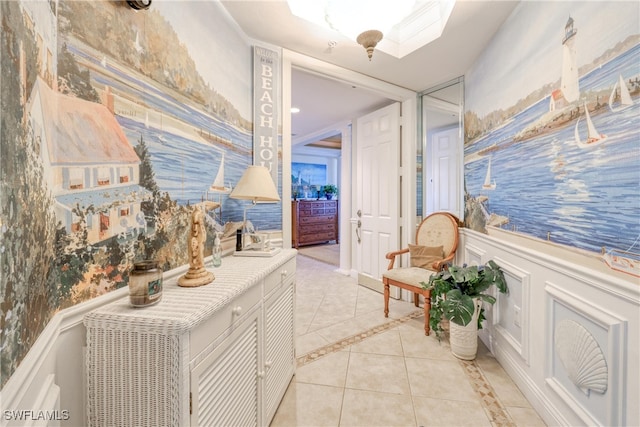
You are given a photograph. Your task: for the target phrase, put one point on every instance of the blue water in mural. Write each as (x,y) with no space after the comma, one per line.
(184,167)
(548,186)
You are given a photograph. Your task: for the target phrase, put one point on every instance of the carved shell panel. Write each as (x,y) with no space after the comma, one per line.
(581,357)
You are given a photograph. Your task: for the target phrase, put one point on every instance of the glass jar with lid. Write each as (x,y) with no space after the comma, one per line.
(145,284)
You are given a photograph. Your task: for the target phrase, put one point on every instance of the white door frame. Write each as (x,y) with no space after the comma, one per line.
(408,99)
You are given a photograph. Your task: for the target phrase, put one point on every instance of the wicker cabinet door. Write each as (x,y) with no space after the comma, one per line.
(279,362)
(224,386)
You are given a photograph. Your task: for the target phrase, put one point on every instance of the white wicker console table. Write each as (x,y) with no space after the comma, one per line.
(219,354)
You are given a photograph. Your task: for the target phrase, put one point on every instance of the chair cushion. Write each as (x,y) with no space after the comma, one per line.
(409,275)
(425,256)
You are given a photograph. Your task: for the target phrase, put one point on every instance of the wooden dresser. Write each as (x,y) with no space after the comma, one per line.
(314,221)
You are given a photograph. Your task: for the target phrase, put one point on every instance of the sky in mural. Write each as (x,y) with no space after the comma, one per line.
(539,55)
(213,56)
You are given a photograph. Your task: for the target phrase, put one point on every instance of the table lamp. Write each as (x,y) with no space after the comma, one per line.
(256,185)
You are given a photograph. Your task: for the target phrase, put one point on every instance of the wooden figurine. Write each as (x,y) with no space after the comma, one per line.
(197,275)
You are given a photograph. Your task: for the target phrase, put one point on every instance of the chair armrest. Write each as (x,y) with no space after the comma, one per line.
(391,256)
(439,265)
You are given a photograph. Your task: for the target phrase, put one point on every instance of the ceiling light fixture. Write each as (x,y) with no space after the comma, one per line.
(364,21)
(369,39)
(406,24)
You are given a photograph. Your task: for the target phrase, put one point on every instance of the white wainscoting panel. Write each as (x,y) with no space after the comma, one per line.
(511,313)
(553,285)
(608,330)
(472,255)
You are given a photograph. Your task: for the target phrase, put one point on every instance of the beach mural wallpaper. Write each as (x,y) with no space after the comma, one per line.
(116,124)
(552,129)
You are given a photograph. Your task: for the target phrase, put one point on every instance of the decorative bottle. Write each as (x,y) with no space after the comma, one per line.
(145,283)
(238,240)
(217,251)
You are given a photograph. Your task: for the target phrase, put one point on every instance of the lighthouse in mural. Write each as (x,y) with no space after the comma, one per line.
(569,82)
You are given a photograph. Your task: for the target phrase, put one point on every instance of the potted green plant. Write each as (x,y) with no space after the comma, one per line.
(457,294)
(329,190)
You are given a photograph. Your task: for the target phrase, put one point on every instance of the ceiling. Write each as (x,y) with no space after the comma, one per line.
(324,102)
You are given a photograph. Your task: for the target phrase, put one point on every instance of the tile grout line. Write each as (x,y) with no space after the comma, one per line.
(498,415)
(354,339)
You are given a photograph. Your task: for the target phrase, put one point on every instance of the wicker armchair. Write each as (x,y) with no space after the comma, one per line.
(435,247)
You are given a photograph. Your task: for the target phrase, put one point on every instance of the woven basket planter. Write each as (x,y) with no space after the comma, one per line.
(464,339)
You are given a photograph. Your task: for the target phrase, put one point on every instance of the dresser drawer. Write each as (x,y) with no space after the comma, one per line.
(318,237)
(206,333)
(317,228)
(316,219)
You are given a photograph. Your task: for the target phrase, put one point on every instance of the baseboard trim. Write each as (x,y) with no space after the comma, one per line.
(540,402)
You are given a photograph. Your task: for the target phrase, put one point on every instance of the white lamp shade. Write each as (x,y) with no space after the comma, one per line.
(256,185)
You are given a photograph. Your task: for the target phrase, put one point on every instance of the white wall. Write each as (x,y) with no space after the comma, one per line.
(550,287)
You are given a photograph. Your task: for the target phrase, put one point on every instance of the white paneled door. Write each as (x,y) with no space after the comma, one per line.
(444,173)
(377,192)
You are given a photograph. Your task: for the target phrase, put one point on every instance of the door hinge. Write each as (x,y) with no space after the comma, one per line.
(190,404)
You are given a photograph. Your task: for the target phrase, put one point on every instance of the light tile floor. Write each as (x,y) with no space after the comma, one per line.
(358,368)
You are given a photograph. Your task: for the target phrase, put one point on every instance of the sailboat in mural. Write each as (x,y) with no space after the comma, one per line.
(211,206)
(593,136)
(218,183)
(624,261)
(488,185)
(625,96)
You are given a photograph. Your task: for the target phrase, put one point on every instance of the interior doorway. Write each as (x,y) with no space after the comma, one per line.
(322,138)
(349,82)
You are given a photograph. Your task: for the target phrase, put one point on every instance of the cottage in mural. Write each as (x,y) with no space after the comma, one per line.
(90,164)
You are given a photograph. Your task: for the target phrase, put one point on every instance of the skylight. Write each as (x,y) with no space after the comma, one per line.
(406,24)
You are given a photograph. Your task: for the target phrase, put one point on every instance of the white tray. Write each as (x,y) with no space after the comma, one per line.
(256,252)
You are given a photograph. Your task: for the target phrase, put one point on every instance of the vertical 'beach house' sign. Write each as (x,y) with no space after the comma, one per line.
(266,78)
